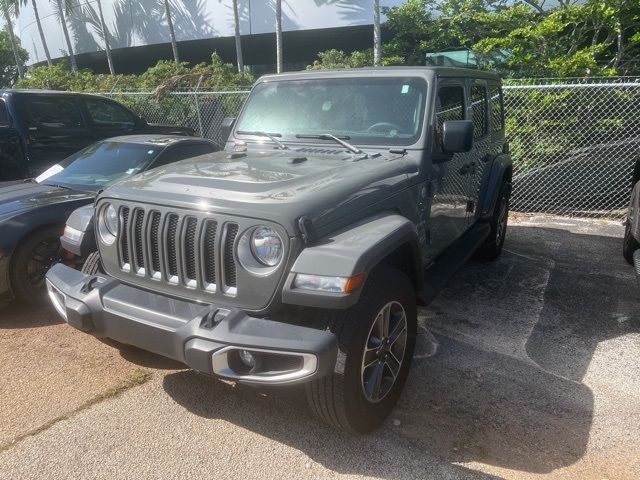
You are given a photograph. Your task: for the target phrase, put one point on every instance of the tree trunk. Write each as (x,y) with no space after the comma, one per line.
(377,42)
(279,62)
(65,30)
(42,39)
(105,35)
(14,46)
(172,32)
(236,24)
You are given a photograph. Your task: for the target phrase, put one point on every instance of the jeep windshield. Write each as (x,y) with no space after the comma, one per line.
(364,110)
(99,165)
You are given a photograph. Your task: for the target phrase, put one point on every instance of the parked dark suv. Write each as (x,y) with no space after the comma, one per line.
(299,255)
(38,128)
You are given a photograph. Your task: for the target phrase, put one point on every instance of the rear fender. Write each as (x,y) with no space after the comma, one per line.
(499,171)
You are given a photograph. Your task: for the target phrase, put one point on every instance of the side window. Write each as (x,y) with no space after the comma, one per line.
(479,110)
(497,108)
(183,152)
(449,106)
(4,116)
(108,114)
(53,112)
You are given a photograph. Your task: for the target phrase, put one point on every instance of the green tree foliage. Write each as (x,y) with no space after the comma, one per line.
(519,38)
(8,69)
(162,76)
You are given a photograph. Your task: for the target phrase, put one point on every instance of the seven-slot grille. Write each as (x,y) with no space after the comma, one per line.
(180,249)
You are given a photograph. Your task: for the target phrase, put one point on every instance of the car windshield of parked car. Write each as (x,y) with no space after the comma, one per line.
(366,111)
(99,165)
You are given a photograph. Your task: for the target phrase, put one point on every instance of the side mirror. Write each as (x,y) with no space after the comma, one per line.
(457,136)
(226,127)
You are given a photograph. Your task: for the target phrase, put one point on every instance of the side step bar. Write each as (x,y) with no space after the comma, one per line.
(446,265)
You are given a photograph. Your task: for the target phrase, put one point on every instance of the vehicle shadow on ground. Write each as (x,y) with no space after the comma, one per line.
(27,315)
(497,374)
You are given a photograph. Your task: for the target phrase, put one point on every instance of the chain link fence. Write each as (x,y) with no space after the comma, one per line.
(574,142)
(201,110)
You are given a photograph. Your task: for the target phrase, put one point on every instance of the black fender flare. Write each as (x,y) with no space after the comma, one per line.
(500,169)
(356,249)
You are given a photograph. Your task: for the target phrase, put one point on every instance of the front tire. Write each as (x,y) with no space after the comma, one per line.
(376,339)
(31,261)
(92,265)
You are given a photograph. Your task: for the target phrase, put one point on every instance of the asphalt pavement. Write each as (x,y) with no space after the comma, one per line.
(527,367)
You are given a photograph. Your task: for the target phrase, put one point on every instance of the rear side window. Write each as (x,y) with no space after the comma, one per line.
(109,115)
(4,116)
(182,152)
(497,108)
(53,112)
(479,110)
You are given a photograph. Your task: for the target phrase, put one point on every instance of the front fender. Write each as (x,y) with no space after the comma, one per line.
(81,220)
(500,169)
(351,251)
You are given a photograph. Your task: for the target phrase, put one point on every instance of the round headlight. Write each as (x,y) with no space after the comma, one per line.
(266,246)
(111,220)
(108,224)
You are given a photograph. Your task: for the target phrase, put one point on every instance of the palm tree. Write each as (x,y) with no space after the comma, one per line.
(377,44)
(105,37)
(65,30)
(172,32)
(40,30)
(236,24)
(279,36)
(6,6)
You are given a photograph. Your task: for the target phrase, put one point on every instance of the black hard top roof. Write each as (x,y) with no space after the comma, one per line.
(425,72)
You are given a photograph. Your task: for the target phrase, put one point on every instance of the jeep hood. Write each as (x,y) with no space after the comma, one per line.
(277,185)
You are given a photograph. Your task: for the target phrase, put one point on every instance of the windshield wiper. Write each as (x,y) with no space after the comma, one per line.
(328,136)
(270,136)
(57,185)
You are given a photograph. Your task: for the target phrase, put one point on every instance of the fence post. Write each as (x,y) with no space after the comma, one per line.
(114,87)
(195,93)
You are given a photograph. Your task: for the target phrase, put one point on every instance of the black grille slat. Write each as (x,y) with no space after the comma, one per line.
(209,251)
(190,247)
(230,275)
(179,248)
(154,237)
(172,254)
(124,240)
(138,239)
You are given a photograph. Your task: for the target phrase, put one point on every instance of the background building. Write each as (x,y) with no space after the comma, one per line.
(140,36)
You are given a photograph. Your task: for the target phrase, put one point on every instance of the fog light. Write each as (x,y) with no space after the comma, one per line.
(247,358)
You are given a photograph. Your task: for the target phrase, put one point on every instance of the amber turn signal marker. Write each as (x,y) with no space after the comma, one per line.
(353,283)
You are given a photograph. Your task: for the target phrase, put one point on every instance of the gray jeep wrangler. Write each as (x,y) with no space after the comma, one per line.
(299,254)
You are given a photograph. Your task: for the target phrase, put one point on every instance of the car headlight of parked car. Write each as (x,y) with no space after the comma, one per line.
(108,224)
(260,250)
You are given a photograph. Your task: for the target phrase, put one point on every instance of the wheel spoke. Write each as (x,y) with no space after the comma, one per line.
(399,328)
(386,317)
(374,383)
(370,357)
(392,365)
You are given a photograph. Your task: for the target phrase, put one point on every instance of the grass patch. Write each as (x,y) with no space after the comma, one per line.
(137,377)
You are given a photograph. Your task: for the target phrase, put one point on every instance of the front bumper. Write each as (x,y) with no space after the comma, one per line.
(207,338)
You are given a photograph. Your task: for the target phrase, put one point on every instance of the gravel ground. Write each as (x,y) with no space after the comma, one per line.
(525,368)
